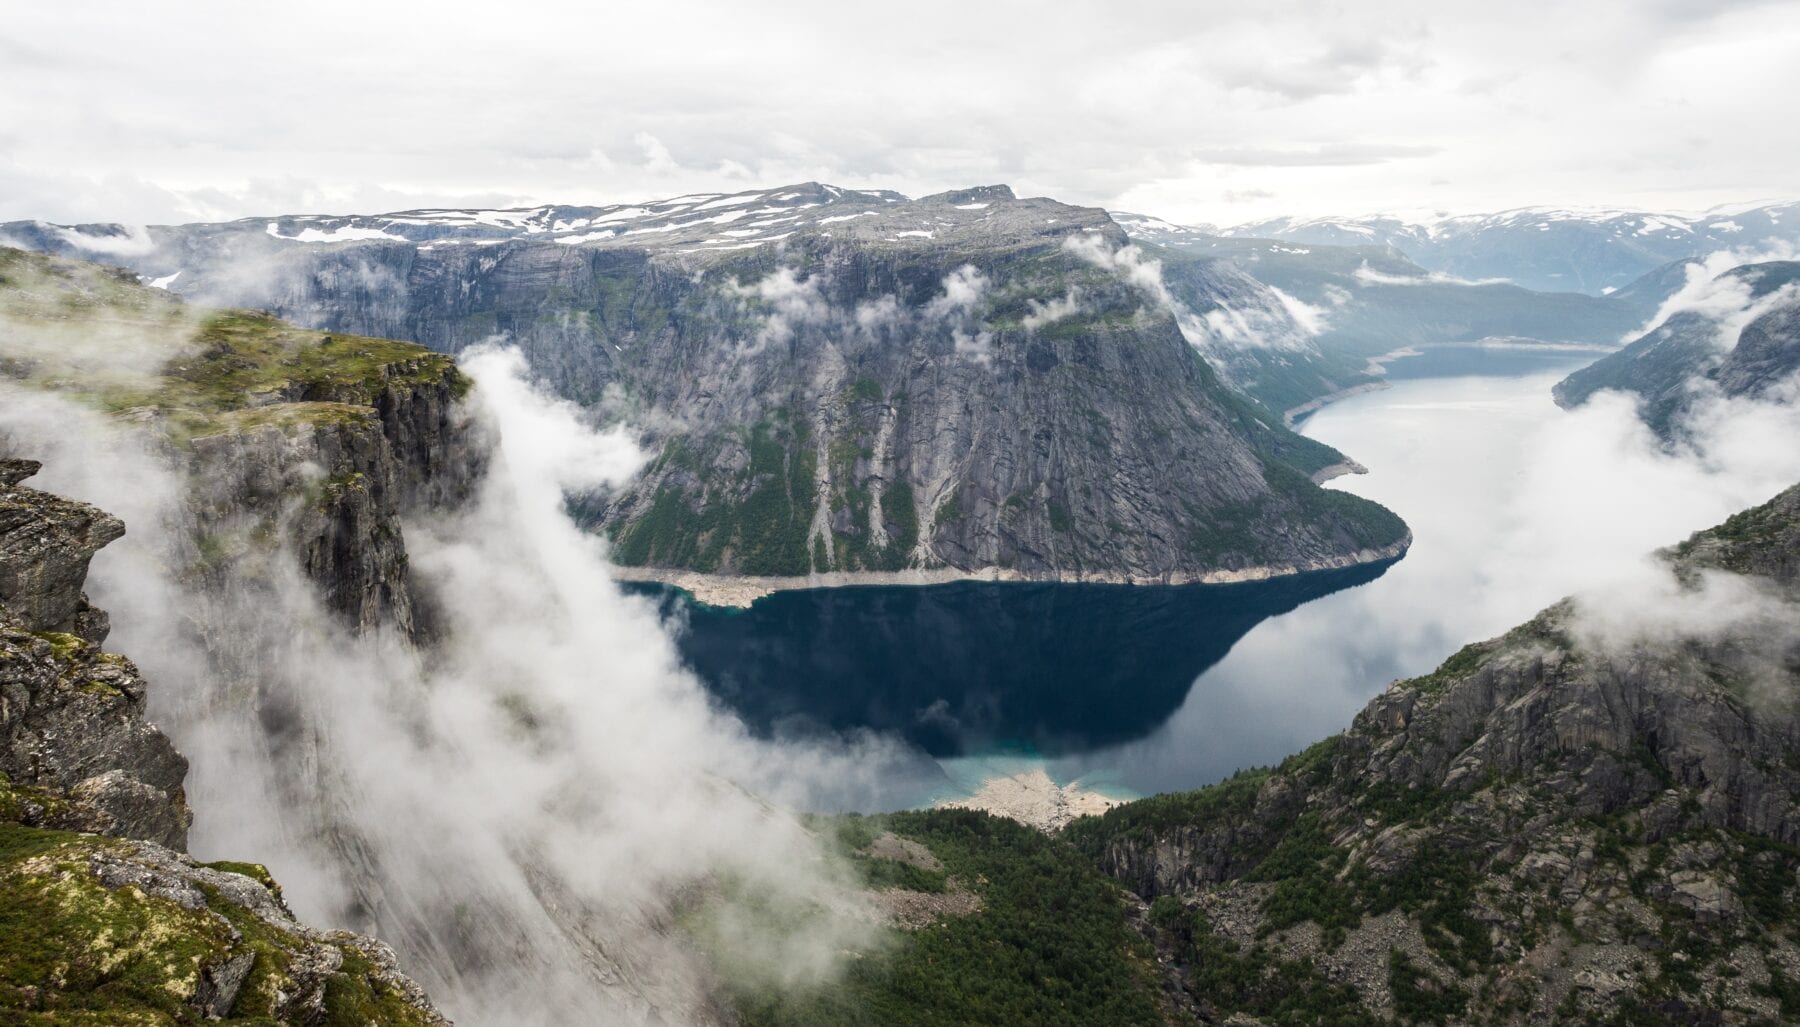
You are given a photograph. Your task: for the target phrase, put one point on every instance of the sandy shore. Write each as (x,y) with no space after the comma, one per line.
(1325,474)
(1032,798)
(740,591)
(1292,414)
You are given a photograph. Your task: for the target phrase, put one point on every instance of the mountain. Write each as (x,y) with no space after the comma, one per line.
(1584,820)
(1369,299)
(1591,819)
(1263,342)
(833,383)
(103,916)
(1546,249)
(1736,335)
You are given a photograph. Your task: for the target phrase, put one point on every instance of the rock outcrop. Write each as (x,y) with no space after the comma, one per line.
(1562,823)
(72,728)
(115,924)
(45,545)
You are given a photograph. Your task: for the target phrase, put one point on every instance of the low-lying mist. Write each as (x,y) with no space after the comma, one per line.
(1514,505)
(532,812)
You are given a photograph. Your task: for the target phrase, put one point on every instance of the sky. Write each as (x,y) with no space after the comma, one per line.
(1201,112)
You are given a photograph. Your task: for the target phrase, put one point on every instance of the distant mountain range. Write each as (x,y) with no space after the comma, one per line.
(1544,248)
(1368,299)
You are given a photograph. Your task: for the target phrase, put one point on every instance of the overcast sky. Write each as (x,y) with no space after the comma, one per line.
(156,112)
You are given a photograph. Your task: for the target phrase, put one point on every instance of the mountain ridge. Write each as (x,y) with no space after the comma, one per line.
(969,381)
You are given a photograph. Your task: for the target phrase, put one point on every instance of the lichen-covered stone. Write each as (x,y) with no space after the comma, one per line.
(102,930)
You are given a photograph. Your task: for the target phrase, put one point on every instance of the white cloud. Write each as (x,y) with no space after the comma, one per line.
(528,802)
(1311,319)
(1042,313)
(963,289)
(1367,275)
(1251,321)
(1285,107)
(134,242)
(788,301)
(975,347)
(1709,292)
(1128,262)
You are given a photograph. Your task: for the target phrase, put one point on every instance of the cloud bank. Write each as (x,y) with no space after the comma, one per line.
(519,811)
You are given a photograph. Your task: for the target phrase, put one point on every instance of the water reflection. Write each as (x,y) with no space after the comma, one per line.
(1513,504)
(977,666)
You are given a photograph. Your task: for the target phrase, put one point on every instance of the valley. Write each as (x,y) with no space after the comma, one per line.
(441,623)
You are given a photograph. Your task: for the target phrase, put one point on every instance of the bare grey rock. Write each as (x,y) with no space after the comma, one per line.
(1574,825)
(46,543)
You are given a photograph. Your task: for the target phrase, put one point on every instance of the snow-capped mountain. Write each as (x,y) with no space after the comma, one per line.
(1369,298)
(1544,248)
(699,222)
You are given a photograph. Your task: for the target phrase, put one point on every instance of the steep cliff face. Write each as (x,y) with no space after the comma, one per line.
(1739,337)
(293,474)
(317,441)
(1555,824)
(75,731)
(835,381)
(115,924)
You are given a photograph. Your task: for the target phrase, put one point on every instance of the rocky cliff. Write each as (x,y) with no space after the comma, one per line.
(833,381)
(1738,337)
(103,918)
(1570,823)
(281,481)
(319,442)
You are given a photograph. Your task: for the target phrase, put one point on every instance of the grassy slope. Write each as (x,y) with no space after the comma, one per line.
(1050,944)
(200,371)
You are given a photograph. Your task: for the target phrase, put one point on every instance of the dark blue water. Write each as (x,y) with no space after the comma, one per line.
(1139,689)
(975,667)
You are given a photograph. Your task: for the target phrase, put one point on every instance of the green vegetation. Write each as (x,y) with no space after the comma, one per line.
(948,510)
(245,359)
(1370,524)
(902,518)
(1461,664)
(1147,819)
(219,370)
(1049,945)
(73,950)
(865,390)
(1254,981)
(764,532)
(254,871)
(1418,998)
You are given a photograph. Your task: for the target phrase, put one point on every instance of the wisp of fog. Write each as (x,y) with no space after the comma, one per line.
(537,812)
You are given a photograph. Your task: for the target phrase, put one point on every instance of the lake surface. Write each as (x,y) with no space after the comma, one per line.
(976,667)
(1139,690)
